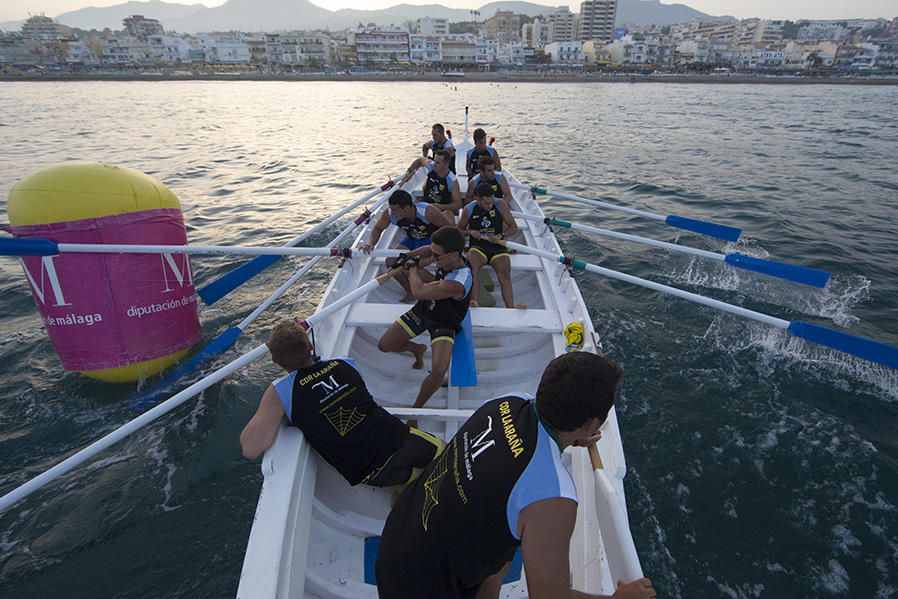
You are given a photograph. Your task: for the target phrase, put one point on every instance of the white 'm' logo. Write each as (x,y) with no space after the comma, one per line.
(48,268)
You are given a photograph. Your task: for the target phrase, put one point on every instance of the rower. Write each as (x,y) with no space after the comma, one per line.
(329,402)
(439,141)
(484,218)
(442,306)
(441,185)
(488,174)
(480,149)
(501,484)
(418,219)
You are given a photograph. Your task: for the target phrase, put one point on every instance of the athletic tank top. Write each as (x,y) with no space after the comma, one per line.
(420,227)
(463,511)
(434,146)
(488,222)
(451,311)
(495,183)
(474,154)
(438,190)
(330,404)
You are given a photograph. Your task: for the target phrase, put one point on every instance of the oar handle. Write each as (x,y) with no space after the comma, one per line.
(21,246)
(594,457)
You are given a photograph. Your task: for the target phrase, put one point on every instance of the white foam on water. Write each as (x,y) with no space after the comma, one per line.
(743,590)
(835,580)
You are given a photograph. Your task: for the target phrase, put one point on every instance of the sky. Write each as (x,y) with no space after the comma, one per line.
(11,10)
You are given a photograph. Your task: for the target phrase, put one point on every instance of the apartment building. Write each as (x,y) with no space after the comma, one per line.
(597,19)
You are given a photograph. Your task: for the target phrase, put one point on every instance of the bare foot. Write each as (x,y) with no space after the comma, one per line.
(419,356)
(521,306)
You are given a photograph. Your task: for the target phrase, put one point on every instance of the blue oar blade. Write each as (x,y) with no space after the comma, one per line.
(20,246)
(463,370)
(789,272)
(222,286)
(705,228)
(881,353)
(162,389)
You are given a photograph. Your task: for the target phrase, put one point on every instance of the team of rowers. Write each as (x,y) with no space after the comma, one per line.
(511,490)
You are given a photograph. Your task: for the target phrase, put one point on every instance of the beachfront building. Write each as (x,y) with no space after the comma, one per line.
(141,28)
(45,30)
(596,53)
(565,52)
(537,33)
(821,32)
(430,27)
(504,26)
(564,25)
(597,19)
(629,51)
(225,48)
(459,51)
(425,49)
(382,45)
(511,54)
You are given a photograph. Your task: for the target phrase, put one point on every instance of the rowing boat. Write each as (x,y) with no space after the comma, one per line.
(315,536)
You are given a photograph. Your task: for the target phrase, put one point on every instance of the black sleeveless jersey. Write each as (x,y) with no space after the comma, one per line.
(418,228)
(434,146)
(437,189)
(450,311)
(476,155)
(489,222)
(330,404)
(450,529)
(494,183)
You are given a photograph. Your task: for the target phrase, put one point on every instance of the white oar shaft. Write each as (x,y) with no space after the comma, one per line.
(123,431)
(693,297)
(109,248)
(627,237)
(568,196)
(307,267)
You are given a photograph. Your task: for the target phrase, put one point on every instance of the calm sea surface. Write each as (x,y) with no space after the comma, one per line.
(759,466)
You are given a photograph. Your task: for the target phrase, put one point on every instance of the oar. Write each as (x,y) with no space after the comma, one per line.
(219,288)
(44,247)
(176,400)
(681,222)
(623,561)
(227,338)
(789,272)
(874,351)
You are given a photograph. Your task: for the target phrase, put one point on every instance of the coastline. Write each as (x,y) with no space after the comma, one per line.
(473,77)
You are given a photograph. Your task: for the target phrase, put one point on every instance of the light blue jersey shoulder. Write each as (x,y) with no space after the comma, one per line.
(284,387)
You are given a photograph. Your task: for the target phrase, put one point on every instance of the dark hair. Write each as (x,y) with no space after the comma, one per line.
(400,198)
(484,190)
(479,134)
(485,161)
(442,153)
(449,238)
(576,387)
(289,345)
(439,128)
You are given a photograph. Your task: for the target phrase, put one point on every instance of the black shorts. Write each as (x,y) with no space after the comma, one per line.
(489,251)
(414,322)
(410,459)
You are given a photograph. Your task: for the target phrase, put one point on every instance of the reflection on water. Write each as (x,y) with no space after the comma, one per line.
(758,466)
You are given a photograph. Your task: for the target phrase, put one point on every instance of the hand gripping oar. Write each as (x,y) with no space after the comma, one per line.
(789,272)
(874,351)
(623,561)
(219,288)
(36,246)
(176,400)
(227,338)
(681,222)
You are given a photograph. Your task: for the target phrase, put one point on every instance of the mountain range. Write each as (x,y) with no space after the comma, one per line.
(280,15)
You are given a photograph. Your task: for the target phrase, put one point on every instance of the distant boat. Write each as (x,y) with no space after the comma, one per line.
(456,74)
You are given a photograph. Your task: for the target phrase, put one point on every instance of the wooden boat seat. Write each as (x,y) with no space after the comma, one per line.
(484,320)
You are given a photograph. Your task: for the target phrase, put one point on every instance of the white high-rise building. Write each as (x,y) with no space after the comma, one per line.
(564,25)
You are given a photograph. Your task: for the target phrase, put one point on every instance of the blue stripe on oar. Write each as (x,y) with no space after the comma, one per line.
(881,353)
(463,371)
(159,391)
(790,272)
(17,246)
(219,288)
(705,228)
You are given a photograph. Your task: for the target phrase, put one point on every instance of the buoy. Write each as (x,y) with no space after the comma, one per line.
(112,317)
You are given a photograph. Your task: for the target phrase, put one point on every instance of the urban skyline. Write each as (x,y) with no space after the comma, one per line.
(773,9)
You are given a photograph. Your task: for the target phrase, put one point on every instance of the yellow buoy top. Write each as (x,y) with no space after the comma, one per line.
(77,190)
